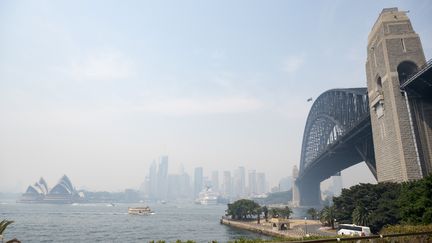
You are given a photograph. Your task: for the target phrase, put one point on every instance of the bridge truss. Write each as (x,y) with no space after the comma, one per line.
(337,135)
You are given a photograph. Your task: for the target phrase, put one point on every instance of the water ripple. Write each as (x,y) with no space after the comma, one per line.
(99,223)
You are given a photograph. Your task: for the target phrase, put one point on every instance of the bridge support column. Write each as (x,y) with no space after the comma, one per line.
(394,53)
(421,110)
(309,193)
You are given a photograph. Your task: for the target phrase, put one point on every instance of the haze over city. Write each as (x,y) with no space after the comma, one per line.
(99,95)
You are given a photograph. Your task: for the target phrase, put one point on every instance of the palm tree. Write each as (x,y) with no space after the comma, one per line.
(286,212)
(3,225)
(265,211)
(327,216)
(274,213)
(258,213)
(360,215)
(312,212)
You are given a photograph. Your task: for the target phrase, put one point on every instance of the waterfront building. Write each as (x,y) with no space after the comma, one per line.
(162,178)
(198,181)
(227,184)
(174,186)
(252,183)
(62,193)
(239,182)
(145,187)
(35,192)
(215,181)
(285,184)
(185,185)
(42,185)
(153,181)
(261,187)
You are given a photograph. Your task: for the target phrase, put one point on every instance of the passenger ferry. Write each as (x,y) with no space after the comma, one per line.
(140,210)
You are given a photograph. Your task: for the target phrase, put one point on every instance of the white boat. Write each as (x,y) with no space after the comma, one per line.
(207,197)
(140,211)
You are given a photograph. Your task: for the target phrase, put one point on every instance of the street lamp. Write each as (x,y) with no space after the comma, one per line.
(306,226)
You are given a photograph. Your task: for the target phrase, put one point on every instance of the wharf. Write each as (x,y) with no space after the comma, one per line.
(297,229)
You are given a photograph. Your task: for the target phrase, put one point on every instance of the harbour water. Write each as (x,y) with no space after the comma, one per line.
(107,223)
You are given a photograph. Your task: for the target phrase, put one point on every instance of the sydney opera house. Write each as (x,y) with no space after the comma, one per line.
(62,193)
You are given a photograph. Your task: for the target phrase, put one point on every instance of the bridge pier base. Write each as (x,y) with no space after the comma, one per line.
(309,193)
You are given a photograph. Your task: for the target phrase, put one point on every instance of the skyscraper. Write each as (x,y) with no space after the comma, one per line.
(227,184)
(185,186)
(153,188)
(261,183)
(145,187)
(252,182)
(198,181)
(215,181)
(239,182)
(162,175)
(173,186)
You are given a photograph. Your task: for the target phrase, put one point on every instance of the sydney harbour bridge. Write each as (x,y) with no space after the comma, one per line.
(387,125)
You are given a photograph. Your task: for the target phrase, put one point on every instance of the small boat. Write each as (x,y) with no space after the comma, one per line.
(140,211)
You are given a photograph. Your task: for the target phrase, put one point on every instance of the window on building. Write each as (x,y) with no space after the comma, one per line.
(379,84)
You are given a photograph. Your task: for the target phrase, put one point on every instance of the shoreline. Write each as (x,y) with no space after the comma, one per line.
(295,230)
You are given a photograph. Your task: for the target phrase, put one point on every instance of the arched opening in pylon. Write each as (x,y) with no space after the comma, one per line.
(405,70)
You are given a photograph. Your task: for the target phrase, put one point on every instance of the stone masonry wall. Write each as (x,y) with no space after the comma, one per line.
(393,42)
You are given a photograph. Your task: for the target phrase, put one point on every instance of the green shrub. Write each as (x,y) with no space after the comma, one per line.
(400,229)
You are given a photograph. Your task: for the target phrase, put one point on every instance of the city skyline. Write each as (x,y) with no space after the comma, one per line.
(97,95)
(161,186)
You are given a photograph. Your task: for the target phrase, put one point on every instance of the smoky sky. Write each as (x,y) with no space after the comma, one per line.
(98,90)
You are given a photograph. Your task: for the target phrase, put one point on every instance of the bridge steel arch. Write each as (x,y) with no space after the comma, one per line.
(337,135)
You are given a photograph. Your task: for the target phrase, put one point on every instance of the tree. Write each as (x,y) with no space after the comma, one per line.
(415,201)
(258,213)
(327,216)
(313,213)
(360,216)
(285,212)
(242,208)
(380,200)
(377,205)
(274,213)
(265,211)
(281,212)
(4,224)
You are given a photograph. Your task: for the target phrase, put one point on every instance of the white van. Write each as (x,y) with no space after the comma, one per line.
(352,229)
